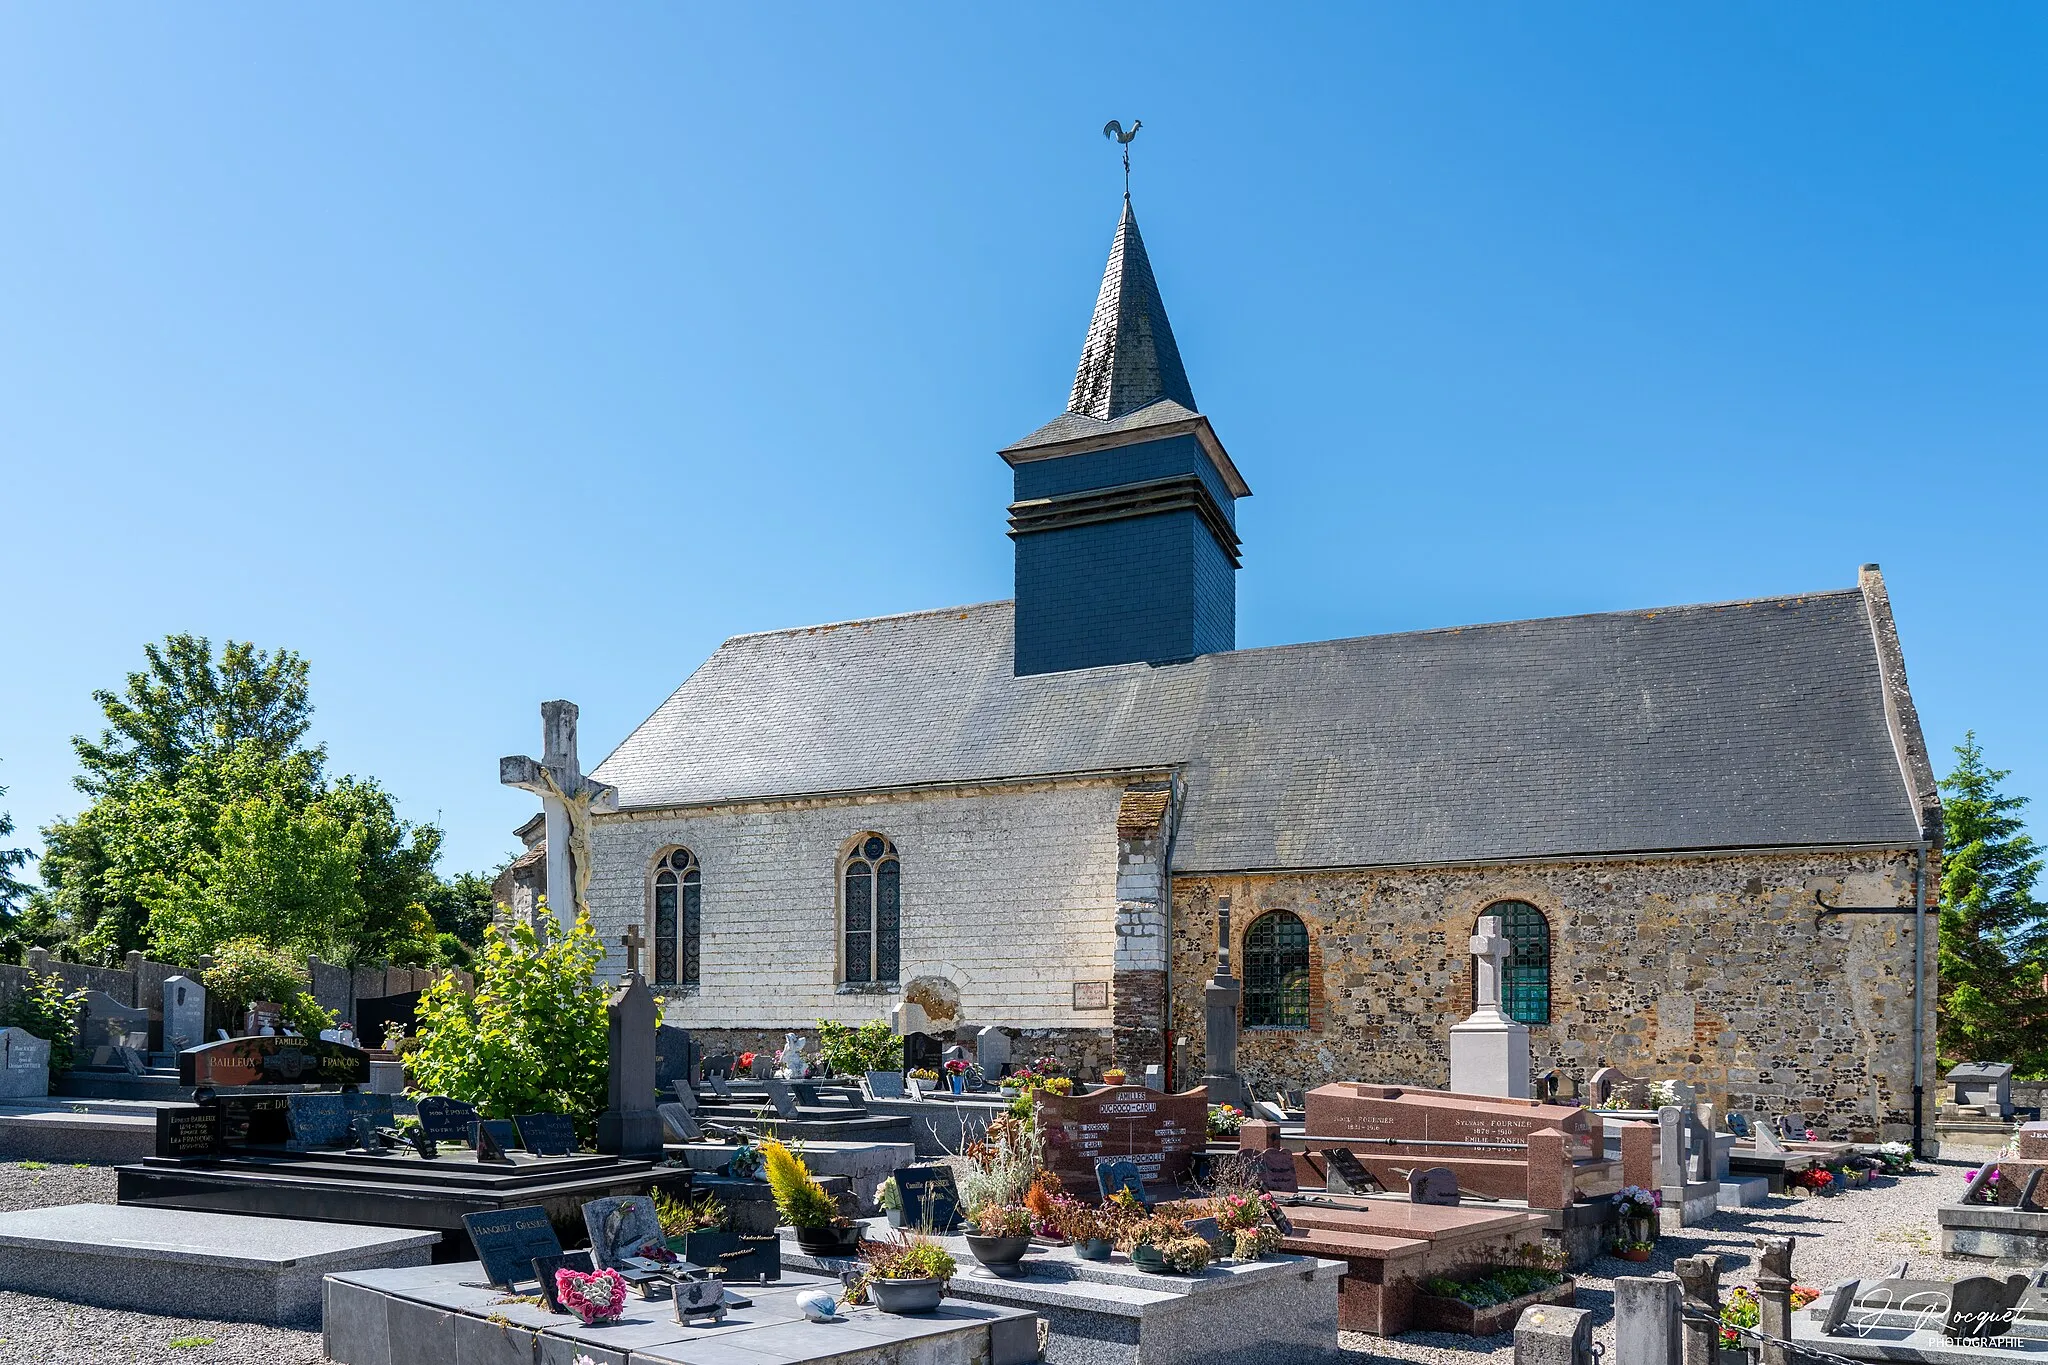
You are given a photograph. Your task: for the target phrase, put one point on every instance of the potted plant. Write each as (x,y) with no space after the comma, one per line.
(923,1075)
(1492,1300)
(906,1275)
(956,1075)
(1634,1251)
(821,1230)
(1635,1208)
(891,1200)
(1225,1120)
(1113,1076)
(1183,1255)
(698,1230)
(1253,1244)
(1002,1234)
(1814,1180)
(1092,1230)
(1741,1310)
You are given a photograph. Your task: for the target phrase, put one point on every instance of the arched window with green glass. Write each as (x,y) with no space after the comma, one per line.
(678,917)
(871,911)
(1525,976)
(1276,971)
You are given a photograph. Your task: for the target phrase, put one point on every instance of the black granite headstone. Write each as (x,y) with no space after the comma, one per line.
(1278,1218)
(502,1132)
(1208,1229)
(188,1132)
(370,1139)
(255,1120)
(931,1199)
(675,1056)
(319,1121)
(446,1120)
(1738,1124)
(547,1134)
(718,1064)
(629,1127)
(1120,1174)
(490,1148)
(807,1093)
(758,1260)
(1277,1171)
(779,1095)
(685,1096)
(1437,1185)
(719,1087)
(885,1085)
(508,1240)
(1344,1173)
(1981,1306)
(544,1268)
(679,1123)
(922,1052)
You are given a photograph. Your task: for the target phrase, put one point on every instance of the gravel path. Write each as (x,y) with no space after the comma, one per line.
(52,1332)
(1856,1233)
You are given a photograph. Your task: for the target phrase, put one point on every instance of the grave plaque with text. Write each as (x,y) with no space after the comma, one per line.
(1344,1173)
(547,1134)
(679,1123)
(255,1120)
(1118,1175)
(188,1132)
(931,1200)
(1157,1133)
(544,1268)
(273,1061)
(1277,1171)
(446,1120)
(507,1241)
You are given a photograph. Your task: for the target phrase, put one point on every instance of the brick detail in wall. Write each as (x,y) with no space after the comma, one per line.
(1140,1011)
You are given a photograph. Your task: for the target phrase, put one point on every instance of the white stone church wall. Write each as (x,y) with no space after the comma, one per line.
(1011,892)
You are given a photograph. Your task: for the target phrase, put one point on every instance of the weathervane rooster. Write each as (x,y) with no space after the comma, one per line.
(1115,130)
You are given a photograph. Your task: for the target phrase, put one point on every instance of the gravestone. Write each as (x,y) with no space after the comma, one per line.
(378,1015)
(922,1052)
(1344,1173)
(1767,1143)
(1433,1186)
(675,1056)
(319,1121)
(272,1061)
(685,1096)
(913,1087)
(1277,1173)
(907,1017)
(806,1092)
(720,1087)
(24,1065)
(255,1120)
(763,1067)
(1221,1000)
(184,1013)
(1980,1307)
(780,1095)
(1155,1077)
(508,1240)
(544,1268)
(1738,1124)
(1791,1129)
(1355,1109)
(679,1122)
(1208,1229)
(758,1260)
(718,1064)
(1159,1134)
(621,1226)
(1120,1174)
(629,1126)
(446,1120)
(931,1200)
(188,1132)
(992,1051)
(1982,1085)
(885,1085)
(490,1144)
(107,1023)
(1489,1050)
(546,1134)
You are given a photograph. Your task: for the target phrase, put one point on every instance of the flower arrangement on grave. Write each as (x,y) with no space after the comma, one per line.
(1502,1284)
(1048,1065)
(1633,1251)
(1113,1076)
(995,1219)
(1043,1201)
(799,1198)
(1633,1201)
(1058,1085)
(1186,1255)
(1239,1209)
(1225,1119)
(745,1163)
(1896,1156)
(957,1067)
(681,1217)
(904,1257)
(1082,1223)
(599,1296)
(1250,1244)
(1003,1165)
(745,1062)
(1815,1178)
(888,1197)
(922,1073)
(1741,1310)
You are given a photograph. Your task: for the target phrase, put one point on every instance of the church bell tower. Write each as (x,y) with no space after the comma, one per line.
(1124,514)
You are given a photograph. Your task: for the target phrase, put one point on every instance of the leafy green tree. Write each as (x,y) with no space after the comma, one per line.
(48,1010)
(13,892)
(1994,937)
(247,970)
(532,1038)
(463,906)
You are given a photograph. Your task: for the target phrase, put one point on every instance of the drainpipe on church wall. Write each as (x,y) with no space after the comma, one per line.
(1176,791)
(1919,998)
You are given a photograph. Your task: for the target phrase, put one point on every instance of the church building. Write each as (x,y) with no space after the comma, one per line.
(1024,813)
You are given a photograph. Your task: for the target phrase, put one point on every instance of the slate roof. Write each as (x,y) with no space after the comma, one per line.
(1130,359)
(1741,724)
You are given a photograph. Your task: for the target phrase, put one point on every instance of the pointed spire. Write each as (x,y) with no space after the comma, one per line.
(1130,359)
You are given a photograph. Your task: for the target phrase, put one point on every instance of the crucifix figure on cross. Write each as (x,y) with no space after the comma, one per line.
(634,941)
(568,799)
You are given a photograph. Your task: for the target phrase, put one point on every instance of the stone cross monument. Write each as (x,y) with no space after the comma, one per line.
(1489,1051)
(630,1125)
(1220,999)
(567,799)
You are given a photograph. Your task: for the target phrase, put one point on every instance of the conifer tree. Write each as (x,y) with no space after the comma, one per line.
(1994,933)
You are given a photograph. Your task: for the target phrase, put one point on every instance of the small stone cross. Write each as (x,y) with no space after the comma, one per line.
(634,941)
(1490,949)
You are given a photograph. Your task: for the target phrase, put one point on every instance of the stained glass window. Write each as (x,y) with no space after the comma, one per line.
(1525,978)
(678,918)
(1276,971)
(873,911)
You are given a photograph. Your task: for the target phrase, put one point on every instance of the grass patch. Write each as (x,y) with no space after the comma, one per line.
(81,1165)
(35,1165)
(186,1343)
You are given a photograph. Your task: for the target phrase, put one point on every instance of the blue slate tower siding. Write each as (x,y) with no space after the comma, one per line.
(1152,589)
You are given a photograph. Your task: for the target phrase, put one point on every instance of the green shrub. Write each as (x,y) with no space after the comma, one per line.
(246,970)
(47,1010)
(846,1050)
(533,1038)
(799,1198)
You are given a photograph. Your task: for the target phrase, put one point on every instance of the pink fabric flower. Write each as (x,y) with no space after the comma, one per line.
(597,1297)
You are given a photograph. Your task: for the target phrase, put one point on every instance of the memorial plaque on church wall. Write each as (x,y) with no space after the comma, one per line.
(1353,1110)
(508,1241)
(1159,1133)
(188,1132)
(273,1061)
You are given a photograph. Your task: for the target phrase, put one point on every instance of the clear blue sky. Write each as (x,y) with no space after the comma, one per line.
(486,354)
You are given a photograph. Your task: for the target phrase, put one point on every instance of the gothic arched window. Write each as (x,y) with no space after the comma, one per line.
(1276,971)
(1525,976)
(678,918)
(871,910)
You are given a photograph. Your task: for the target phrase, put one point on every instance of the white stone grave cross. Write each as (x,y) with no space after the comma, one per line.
(1490,953)
(567,799)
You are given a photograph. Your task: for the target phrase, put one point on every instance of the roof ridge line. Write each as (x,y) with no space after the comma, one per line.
(867,620)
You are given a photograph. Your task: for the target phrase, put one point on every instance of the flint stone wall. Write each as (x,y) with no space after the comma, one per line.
(1709,970)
